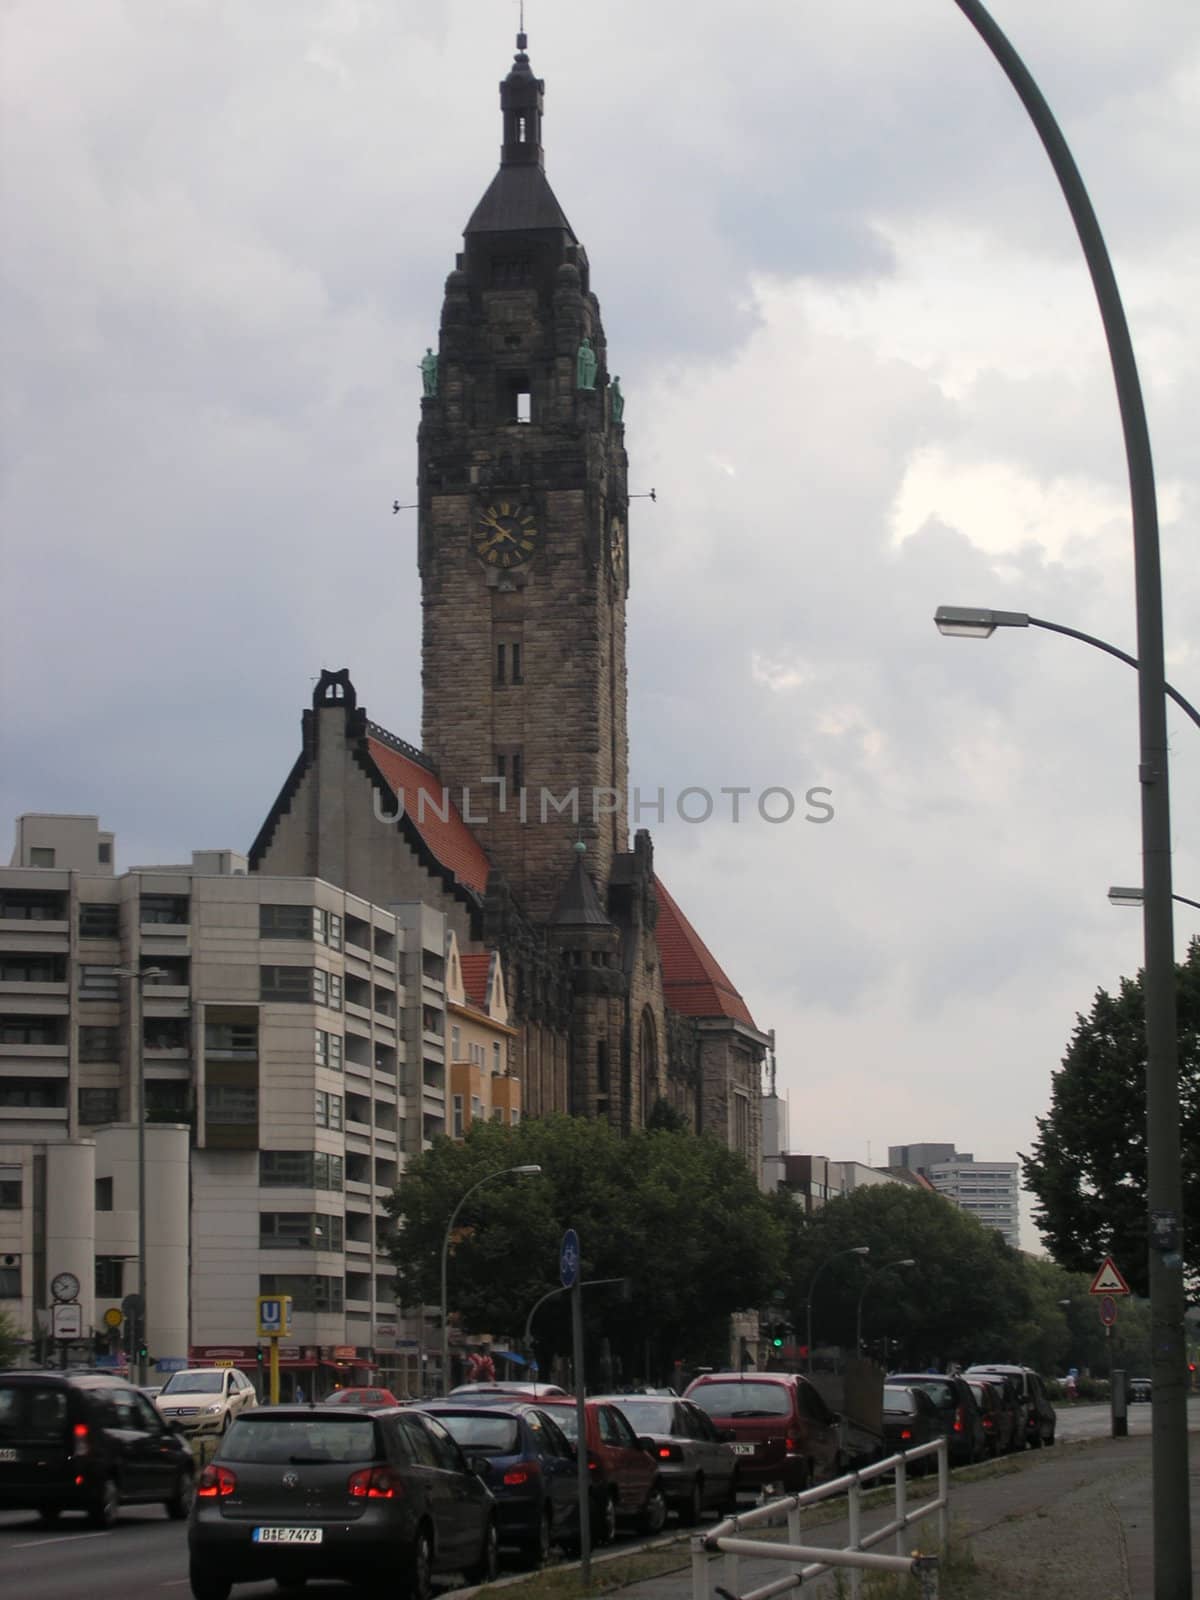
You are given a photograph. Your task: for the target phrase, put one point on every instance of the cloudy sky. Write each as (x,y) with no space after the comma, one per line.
(864,371)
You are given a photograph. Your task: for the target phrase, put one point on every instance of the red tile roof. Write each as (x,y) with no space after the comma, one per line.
(475,970)
(450,840)
(693,982)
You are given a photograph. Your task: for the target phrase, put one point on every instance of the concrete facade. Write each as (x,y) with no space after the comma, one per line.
(989,1190)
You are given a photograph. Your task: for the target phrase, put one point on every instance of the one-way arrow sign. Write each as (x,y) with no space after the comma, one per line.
(1108,1280)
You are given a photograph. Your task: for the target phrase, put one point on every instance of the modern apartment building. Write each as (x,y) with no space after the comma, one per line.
(292,1039)
(989,1190)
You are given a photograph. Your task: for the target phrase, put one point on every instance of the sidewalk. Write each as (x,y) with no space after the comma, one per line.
(1072,1523)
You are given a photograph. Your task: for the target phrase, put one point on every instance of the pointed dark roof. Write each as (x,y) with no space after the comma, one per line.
(519,198)
(579,904)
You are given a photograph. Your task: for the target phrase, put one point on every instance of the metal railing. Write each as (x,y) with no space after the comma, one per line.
(723,1548)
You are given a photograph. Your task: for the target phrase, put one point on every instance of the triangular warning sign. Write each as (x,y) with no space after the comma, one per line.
(1108,1280)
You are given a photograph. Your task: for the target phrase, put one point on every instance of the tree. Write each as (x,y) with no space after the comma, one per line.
(10,1340)
(1088,1166)
(679,1215)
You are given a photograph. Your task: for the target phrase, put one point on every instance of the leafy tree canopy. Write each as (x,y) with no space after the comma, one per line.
(680,1216)
(9,1340)
(1088,1166)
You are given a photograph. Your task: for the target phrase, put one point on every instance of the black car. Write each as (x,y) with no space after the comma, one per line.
(998,1412)
(384,1498)
(1141,1389)
(910,1418)
(697,1464)
(957,1411)
(531,1470)
(1041,1419)
(75,1441)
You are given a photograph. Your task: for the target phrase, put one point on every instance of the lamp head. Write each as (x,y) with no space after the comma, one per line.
(907,1262)
(1125,897)
(970,622)
(859,1250)
(530,1171)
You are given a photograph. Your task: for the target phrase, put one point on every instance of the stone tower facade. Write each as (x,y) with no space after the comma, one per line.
(522,534)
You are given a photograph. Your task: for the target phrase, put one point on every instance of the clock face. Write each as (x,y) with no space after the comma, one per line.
(65,1286)
(505,535)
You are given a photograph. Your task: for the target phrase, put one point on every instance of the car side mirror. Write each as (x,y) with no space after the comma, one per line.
(479,1465)
(646,1443)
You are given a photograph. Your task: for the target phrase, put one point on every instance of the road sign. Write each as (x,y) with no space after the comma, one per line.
(1108,1280)
(132,1305)
(171,1364)
(67,1319)
(274,1316)
(113,1318)
(1108,1310)
(568,1259)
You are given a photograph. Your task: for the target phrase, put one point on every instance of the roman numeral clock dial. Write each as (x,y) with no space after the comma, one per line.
(505,535)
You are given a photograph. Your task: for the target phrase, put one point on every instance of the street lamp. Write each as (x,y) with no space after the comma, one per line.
(531,1170)
(138,976)
(970,622)
(905,1261)
(854,1250)
(1135,897)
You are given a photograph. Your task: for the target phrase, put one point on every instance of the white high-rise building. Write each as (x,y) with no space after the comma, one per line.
(989,1190)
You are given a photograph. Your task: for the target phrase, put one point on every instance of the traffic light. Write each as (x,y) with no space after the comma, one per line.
(777,1336)
(143,1352)
(258,1355)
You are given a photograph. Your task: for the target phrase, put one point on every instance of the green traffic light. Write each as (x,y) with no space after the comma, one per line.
(777,1342)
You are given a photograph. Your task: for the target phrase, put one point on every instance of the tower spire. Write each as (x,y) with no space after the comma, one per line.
(521,106)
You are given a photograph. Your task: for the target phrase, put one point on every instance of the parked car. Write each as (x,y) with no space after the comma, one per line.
(957,1411)
(910,1418)
(1140,1389)
(1040,1416)
(150,1390)
(365,1395)
(533,1391)
(205,1399)
(72,1441)
(531,1470)
(626,1485)
(697,1463)
(298,1492)
(998,1412)
(782,1429)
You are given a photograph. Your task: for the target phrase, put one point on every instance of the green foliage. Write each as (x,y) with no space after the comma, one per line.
(1088,1166)
(679,1215)
(10,1340)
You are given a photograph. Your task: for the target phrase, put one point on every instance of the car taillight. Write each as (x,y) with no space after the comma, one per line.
(593,1464)
(791,1445)
(80,1443)
(906,1433)
(959,1420)
(669,1452)
(374,1483)
(515,1476)
(989,1422)
(215,1481)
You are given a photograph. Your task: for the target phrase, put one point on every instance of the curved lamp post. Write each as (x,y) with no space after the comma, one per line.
(854,1250)
(1164,1178)
(531,1170)
(971,622)
(905,1261)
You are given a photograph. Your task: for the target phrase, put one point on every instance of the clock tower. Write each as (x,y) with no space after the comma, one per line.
(523,534)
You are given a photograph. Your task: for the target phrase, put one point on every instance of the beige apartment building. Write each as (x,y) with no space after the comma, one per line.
(483,1086)
(292,1038)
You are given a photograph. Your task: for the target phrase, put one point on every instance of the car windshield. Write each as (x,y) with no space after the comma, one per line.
(647,1416)
(743,1399)
(276,1440)
(943,1394)
(31,1411)
(981,1391)
(194,1383)
(492,1433)
(568,1420)
(900,1400)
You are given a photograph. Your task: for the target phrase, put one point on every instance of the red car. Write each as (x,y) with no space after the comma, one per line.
(368,1395)
(782,1429)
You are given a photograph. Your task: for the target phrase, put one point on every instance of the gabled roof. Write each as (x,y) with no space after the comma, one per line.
(437,818)
(517,200)
(475,968)
(693,980)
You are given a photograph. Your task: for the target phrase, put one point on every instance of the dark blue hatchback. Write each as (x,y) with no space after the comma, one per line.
(531,1470)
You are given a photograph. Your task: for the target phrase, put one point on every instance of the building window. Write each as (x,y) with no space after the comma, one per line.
(515,656)
(308,1292)
(32,1030)
(171,909)
(518,771)
(230,1105)
(104,1194)
(165,1033)
(10,1189)
(327,1110)
(497,1113)
(168,1100)
(304,985)
(231,1041)
(299,1230)
(99,983)
(32,905)
(98,1105)
(300,1169)
(98,1044)
(40,1094)
(432,1021)
(455,1044)
(110,1277)
(333,929)
(32,969)
(335,992)
(328,1049)
(99,921)
(104,853)
(496,1066)
(458,1116)
(501,651)
(602,1069)
(288,922)
(41,856)
(10,1277)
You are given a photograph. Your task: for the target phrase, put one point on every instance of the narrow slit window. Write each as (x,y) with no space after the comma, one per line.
(516,663)
(501,764)
(521,134)
(500,662)
(524,405)
(518,770)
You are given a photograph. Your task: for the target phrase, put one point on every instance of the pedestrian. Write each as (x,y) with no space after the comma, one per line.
(299,1394)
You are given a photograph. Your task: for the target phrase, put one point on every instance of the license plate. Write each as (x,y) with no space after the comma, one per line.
(9,1455)
(288,1535)
(743,1449)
